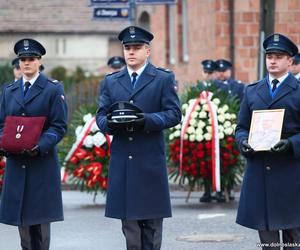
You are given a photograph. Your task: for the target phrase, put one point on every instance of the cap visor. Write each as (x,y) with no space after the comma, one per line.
(29,55)
(277,51)
(135,42)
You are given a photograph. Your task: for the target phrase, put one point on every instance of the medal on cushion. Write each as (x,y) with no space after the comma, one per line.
(19,131)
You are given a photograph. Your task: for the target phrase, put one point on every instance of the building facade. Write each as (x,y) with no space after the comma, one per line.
(185,33)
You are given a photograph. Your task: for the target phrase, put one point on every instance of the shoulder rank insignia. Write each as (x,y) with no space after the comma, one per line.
(53,81)
(253,83)
(111,73)
(164,69)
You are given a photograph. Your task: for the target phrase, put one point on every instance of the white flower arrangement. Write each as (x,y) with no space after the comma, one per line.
(199,127)
(88,141)
(87,117)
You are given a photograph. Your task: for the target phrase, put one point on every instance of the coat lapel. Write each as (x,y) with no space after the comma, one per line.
(17,92)
(289,84)
(36,88)
(263,92)
(146,77)
(124,80)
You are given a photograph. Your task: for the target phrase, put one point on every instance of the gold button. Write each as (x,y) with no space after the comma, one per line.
(131,101)
(130,138)
(268,168)
(130,157)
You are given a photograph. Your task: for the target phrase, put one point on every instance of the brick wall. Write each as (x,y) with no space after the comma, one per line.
(246,42)
(287,19)
(209,38)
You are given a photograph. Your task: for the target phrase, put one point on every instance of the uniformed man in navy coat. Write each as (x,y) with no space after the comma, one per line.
(138,191)
(225,81)
(270,195)
(31,196)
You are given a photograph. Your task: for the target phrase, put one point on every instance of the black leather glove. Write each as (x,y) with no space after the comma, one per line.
(112,126)
(139,123)
(246,149)
(282,147)
(3,152)
(35,151)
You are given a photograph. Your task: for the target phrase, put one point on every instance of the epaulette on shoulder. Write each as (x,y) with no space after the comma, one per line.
(252,84)
(53,81)
(112,73)
(8,85)
(164,69)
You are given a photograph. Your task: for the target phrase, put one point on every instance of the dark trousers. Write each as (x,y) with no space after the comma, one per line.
(289,236)
(35,237)
(143,234)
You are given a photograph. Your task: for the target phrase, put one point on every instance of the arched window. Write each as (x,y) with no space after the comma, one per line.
(144,20)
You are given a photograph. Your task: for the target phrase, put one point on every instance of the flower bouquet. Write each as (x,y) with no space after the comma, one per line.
(87,161)
(202,149)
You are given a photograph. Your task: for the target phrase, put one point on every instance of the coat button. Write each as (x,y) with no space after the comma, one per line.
(130,157)
(23,114)
(130,138)
(131,101)
(268,168)
(23,166)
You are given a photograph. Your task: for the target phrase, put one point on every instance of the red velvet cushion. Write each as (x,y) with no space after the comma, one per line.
(21,132)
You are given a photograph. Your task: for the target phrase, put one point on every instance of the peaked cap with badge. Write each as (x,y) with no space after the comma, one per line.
(116,62)
(209,65)
(223,65)
(135,35)
(278,43)
(28,47)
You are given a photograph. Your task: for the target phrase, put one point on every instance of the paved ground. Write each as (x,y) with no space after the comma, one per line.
(85,227)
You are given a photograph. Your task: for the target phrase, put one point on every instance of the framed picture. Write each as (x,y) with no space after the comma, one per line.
(265,129)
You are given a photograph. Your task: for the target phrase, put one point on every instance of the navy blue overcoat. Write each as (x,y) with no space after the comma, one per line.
(32,190)
(271,187)
(138,183)
(233,87)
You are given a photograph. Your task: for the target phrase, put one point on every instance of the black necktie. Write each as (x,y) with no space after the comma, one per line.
(27,85)
(134,75)
(274,84)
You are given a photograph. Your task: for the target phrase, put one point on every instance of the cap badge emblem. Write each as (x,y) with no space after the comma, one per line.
(26,44)
(131,30)
(121,105)
(276,38)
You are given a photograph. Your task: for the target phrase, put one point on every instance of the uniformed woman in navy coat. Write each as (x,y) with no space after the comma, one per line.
(31,196)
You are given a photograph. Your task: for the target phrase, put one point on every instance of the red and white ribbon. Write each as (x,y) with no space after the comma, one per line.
(78,143)
(215,147)
(81,137)
(185,123)
(215,153)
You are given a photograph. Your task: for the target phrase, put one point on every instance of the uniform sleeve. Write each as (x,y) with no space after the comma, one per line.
(57,120)
(295,140)
(104,104)
(244,121)
(170,114)
(2,111)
